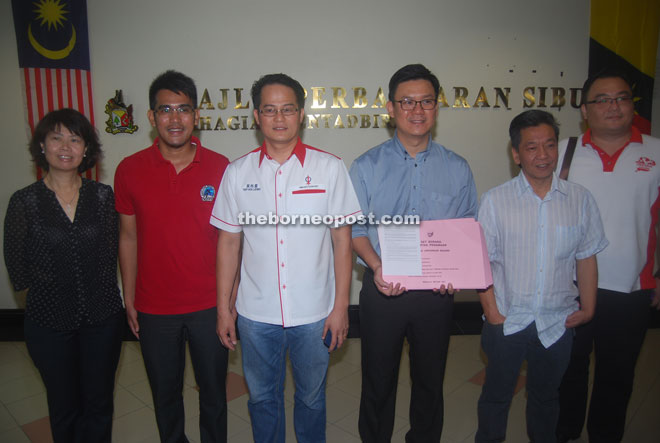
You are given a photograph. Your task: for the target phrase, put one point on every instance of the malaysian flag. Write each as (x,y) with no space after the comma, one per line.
(53,53)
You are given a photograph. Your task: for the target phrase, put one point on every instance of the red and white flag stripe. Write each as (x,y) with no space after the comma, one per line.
(49,89)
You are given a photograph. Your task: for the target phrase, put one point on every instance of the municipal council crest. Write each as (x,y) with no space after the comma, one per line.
(120,116)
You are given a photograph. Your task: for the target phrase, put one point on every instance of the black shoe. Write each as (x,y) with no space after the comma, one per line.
(561,438)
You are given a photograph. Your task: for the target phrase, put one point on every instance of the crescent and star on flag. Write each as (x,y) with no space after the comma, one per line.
(51,13)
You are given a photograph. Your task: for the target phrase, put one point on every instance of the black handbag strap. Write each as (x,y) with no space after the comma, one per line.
(568,157)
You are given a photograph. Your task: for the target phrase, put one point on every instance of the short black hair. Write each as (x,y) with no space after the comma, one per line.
(277,79)
(75,122)
(529,119)
(604,73)
(413,72)
(173,81)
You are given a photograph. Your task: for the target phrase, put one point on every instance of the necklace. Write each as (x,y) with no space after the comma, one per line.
(67,205)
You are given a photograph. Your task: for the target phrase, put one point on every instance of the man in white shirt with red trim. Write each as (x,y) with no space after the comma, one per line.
(295,275)
(621,168)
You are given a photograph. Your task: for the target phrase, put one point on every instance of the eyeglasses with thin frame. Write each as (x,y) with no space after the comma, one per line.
(171,110)
(271,111)
(602,101)
(408,104)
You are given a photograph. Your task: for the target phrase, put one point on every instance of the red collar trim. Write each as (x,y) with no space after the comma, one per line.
(299,151)
(609,161)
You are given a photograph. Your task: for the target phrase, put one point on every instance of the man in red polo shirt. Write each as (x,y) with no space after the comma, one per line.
(621,169)
(167,254)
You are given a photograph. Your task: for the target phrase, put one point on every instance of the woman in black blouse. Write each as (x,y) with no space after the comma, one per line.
(60,244)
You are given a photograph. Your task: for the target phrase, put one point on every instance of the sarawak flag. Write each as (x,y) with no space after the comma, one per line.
(624,35)
(53,54)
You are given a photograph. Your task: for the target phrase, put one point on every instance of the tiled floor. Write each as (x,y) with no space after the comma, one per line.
(23,412)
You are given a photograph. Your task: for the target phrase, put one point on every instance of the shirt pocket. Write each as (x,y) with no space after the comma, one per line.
(308,201)
(567,239)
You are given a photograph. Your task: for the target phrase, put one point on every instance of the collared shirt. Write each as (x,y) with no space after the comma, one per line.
(436,184)
(532,246)
(177,247)
(287,272)
(626,187)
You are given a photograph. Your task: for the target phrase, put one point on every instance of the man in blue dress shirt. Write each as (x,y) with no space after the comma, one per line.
(407,175)
(541,232)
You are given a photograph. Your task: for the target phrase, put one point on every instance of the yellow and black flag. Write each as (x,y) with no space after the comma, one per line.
(624,35)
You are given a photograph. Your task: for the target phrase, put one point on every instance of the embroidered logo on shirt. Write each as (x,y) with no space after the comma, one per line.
(644,164)
(252,187)
(207,193)
(308,179)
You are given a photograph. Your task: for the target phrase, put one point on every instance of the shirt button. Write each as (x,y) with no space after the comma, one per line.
(414,210)
(281,242)
(282,264)
(280,172)
(414,186)
(283,286)
(415,164)
(280,195)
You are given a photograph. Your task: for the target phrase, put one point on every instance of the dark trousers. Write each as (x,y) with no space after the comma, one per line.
(616,334)
(163,342)
(78,369)
(424,318)
(545,368)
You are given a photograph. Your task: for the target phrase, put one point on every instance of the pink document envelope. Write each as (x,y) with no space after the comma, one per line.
(453,251)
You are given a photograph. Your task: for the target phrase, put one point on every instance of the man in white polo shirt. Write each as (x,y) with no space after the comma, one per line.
(621,168)
(295,277)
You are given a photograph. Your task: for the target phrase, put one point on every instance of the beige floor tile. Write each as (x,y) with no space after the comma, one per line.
(461,412)
(9,353)
(644,427)
(125,402)
(129,353)
(191,402)
(242,437)
(337,370)
(349,352)
(402,406)
(20,388)
(239,407)
(29,409)
(339,404)
(7,422)
(236,425)
(235,360)
(15,435)
(131,373)
(336,434)
(135,427)
(351,384)
(142,391)
(17,368)
(191,428)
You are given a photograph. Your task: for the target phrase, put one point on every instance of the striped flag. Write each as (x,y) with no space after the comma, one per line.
(624,35)
(53,54)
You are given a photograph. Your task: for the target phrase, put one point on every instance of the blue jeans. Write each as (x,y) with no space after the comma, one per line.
(264,347)
(545,369)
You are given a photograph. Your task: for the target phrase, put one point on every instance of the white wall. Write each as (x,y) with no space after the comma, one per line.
(473,43)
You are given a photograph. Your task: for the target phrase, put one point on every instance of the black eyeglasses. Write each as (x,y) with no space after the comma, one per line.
(271,111)
(408,104)
(602,101)
(171,110)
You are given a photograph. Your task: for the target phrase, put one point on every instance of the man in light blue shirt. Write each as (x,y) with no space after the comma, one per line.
(541,232)
(407,175)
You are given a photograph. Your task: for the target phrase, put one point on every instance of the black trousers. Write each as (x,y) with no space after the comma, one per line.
(163,342)
(616,334)
(424,319)
(78,369)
